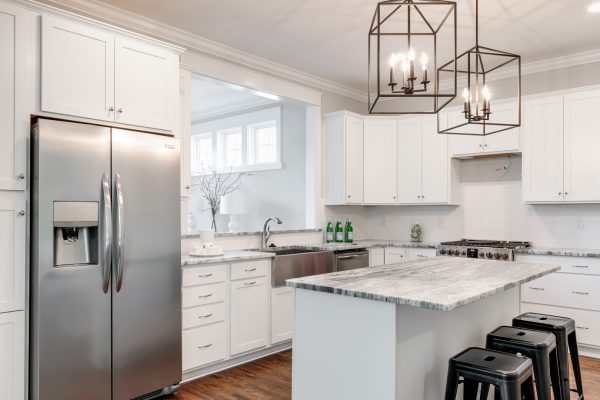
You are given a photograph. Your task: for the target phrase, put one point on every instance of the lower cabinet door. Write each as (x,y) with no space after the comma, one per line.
(282,314)
(415,254)
(395,255)
(249,314)
(204,345)
(12,355)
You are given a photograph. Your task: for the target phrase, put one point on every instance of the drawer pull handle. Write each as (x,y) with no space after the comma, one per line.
(205,296)
(205,276)
(250,269)
(583,328)
(249,283)
(536,288)
(421,255)
(581,293)
(581,266)
(205,347)
(205,316)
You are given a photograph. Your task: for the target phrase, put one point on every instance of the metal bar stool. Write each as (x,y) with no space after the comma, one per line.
(566,340)
(511,375)
(537,345)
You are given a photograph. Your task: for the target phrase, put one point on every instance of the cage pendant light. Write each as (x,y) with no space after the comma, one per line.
(406,40)
(477,70)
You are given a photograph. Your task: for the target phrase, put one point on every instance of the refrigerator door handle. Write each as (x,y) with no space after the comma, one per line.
(107,236)
(120,237)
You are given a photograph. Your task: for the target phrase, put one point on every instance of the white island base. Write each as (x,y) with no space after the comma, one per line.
(357,349)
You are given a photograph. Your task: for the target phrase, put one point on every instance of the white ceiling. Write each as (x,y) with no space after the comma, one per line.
(328,38)
(211,98)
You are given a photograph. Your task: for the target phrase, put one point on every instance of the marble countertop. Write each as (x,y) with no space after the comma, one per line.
(235,234)
(557,251)
(396,243)
(438,283)
(227,257)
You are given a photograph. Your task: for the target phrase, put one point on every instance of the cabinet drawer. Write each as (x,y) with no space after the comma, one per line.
(204,345)
(204,315)
(376,256)
(564,290)
(200,295)
(203,275)
(250,269)
(394,255)
(587,322)
(415,254)
(569,265)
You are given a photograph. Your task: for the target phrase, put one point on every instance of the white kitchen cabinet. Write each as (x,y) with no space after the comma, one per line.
(394,255)
(92,73)
(146,84)
(12,255)
(204,345)
(249,314)
(12,355)
(582,146)
(343,150)
(184,131)
(78,71)
(415,253)
(380,161)
(409,160)
(282,314)
(16,31)
(543,150)
(376,256)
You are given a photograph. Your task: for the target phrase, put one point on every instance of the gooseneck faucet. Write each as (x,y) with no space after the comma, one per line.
(266,233)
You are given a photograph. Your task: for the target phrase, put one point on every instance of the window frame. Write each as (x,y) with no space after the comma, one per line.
(196,166)
(252,146)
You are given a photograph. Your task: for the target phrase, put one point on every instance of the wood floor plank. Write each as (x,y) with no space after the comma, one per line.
(270,378)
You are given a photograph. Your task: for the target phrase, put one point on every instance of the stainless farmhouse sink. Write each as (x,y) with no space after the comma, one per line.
(296,262)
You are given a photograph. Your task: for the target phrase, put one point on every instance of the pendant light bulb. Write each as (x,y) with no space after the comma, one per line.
(411,54)
(405,66)
(487,95)
(393,60)
(424,60)
(466,94)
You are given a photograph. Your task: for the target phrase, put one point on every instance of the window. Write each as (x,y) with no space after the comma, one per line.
(244,142)
(202,151)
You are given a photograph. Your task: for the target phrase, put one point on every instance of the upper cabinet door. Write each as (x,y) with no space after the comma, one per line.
(582,145)
(12,255)
(77,70)
(434,163)
(543,150)
(380,161)
(505,141)
(15,26)
(464,144)
(146,85)
(354,160)
(409,160)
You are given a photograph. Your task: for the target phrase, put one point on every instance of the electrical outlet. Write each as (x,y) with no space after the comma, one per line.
(386,221)
(442,223)
(580,224)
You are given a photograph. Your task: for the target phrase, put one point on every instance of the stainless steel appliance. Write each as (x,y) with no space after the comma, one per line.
(488,249)
(346,260)
(295,262)
(105,263)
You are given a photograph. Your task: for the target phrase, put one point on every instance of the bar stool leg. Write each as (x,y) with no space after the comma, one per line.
(451,384)
(555,376)
(529,390)
(575,361)
(510,391)
(542,375)
(485,390)
(563,362)
(470,389)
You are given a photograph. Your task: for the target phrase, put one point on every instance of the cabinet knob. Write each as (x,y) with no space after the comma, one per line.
(422,196)
(22,213)
(349,196)
(120,111)
(418,196)
(560,193)
(111,109)
(21,176)
(566,193)
(187,187)
(394,197)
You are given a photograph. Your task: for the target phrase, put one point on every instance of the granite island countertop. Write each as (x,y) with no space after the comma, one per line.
(227,257)
(438,283)
(558,251)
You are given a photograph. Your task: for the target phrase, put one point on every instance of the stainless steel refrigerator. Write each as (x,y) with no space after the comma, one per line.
(105,263)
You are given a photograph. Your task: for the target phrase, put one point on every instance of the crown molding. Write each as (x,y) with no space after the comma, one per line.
(198,44)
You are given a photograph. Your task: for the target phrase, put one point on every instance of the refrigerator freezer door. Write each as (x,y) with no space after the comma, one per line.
(70,312)
(146,264)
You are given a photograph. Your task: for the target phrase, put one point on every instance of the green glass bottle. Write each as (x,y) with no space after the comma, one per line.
(329,232)
(348,232)
(339,231)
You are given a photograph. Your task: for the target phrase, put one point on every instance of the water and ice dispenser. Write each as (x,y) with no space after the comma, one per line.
(75,233)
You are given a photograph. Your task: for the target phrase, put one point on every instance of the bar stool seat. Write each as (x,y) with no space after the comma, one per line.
(511,375)
(563,329)
(537,345)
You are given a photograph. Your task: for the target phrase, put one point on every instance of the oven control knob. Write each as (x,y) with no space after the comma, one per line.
(464,253)
(497,256)
(489,255)
(456,252)
(442,251)
(505,256)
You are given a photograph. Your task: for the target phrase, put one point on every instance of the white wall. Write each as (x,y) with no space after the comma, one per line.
(278,192)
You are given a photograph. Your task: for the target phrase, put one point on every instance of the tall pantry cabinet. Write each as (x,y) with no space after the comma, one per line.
(16,35)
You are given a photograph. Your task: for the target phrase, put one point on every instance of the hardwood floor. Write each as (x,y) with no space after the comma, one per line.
(271,379)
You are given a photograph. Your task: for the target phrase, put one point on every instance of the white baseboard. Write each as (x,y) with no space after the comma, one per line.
(586,351)
(234,362)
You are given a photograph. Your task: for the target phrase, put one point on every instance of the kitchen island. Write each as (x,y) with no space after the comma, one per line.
(387,332)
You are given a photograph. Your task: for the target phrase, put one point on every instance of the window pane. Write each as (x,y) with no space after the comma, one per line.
(202,152)
(233,149)
(265,142)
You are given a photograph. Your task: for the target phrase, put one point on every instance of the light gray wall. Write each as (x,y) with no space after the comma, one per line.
(275,192)
(331,102)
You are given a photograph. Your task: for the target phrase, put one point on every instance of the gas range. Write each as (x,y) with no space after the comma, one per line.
(488,249)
